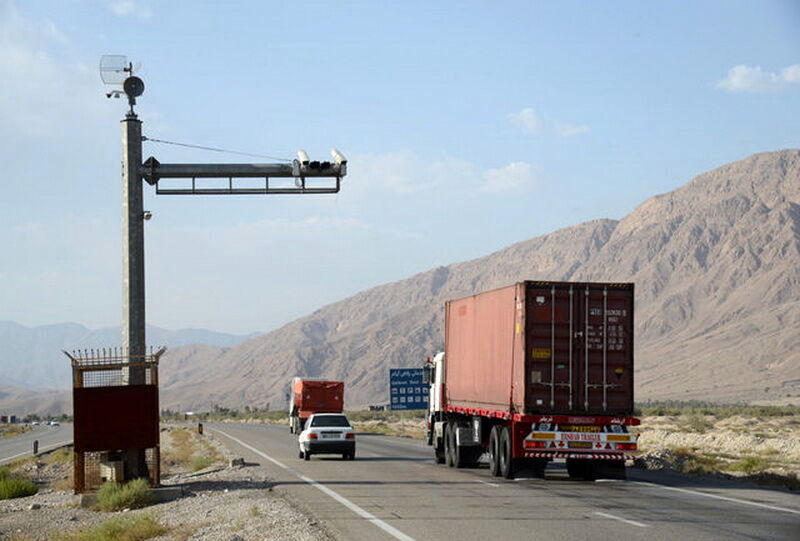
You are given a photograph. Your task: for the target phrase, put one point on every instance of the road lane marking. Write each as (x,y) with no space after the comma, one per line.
(41,450)
(487,483)
(725,498)
(625,520)
(391,530)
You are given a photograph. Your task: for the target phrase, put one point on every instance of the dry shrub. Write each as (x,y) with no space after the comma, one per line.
(134,528)
(118,496)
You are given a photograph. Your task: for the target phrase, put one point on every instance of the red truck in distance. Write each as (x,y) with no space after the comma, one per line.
(534,372)
(311,396)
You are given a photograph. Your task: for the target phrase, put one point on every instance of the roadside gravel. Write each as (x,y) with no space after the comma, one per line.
(227,503)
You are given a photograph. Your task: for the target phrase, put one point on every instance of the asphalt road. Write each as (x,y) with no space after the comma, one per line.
(394,490)
(49,437)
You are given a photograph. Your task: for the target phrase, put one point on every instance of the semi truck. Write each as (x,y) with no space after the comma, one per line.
(311,396)
(534,372)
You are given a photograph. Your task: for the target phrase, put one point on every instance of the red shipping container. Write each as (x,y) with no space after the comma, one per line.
(315,396)
(542,348)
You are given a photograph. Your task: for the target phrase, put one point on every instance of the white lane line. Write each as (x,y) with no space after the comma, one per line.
(725,498)
(41,450)
(487,483)
(391,530)
(625,520)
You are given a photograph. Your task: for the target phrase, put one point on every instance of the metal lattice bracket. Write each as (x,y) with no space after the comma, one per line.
(301,171)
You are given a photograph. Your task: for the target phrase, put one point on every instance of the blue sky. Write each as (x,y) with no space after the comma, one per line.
(469,126)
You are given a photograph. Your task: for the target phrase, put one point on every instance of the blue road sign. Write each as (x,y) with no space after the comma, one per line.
(407,391)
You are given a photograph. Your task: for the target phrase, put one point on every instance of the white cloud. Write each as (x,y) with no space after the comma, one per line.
(569,130)
(125,8)
(509,178)
(403,173)
(753,79)
(791,74)
(527,119)
(531,123)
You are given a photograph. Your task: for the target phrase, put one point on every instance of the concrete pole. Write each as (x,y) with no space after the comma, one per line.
(133,320)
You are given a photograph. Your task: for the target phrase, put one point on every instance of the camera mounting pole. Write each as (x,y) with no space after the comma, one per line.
(305,173)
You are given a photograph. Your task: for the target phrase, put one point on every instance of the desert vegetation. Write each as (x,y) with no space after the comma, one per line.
(185,450)
(9,431)
(13,486)
(758,443)
(131,528)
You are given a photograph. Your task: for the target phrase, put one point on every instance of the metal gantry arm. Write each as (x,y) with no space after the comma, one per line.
(300,169)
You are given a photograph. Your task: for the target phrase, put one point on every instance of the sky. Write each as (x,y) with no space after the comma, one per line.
(468,126)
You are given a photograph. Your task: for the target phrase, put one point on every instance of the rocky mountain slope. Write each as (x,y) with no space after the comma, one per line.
(717,268)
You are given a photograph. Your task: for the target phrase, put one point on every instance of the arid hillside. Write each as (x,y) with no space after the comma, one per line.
(717,270)
(716,265)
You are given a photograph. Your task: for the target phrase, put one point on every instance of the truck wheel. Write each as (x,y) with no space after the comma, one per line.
(612,469)
(505,452)
(460,454)
(538,466)
(494,451)
(439,454)
(578,468)
(449,441)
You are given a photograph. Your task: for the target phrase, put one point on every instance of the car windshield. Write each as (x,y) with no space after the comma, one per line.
(330,420)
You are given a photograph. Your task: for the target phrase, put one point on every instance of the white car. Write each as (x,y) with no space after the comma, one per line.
(327,433)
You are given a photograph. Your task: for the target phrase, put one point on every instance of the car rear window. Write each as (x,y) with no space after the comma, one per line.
(330,420)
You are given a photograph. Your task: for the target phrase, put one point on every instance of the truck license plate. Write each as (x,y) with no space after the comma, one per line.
(580,445)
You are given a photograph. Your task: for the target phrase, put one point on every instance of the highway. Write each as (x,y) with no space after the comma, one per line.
(21,446)
(394,490)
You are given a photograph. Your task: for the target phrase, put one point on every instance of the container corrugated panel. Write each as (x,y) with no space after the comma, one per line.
(315,396)
(579,348)
(542,347)
(480,350)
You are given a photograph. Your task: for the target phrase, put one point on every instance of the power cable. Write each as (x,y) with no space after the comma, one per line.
(213,149)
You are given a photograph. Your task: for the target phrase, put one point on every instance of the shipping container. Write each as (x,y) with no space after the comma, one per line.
(542,347)
(311,396)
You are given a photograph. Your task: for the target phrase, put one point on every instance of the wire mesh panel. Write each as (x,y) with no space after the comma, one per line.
(115,407)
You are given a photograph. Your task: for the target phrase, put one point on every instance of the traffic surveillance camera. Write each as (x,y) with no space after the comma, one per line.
(302,157)
(147,215)
(338,157)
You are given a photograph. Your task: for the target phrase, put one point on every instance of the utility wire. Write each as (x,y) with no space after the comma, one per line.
(213,149)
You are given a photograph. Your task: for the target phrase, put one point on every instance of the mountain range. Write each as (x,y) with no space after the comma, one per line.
(716,265)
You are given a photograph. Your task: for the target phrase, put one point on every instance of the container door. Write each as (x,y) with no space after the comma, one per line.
(552,351)
(579,348)
(606,368)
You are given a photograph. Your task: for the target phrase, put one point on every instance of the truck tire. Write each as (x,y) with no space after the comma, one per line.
(505,452)
(537,466)
(611,469)
(580,468)
(494,452)
(460,454)
(449,444)
(438,452)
